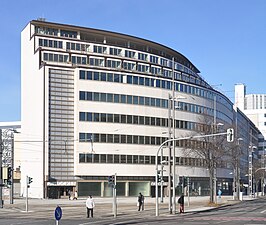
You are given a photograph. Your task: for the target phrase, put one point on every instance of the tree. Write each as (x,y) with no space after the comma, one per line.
(214,150)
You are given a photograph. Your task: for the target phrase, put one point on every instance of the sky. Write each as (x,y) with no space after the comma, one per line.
(224,39)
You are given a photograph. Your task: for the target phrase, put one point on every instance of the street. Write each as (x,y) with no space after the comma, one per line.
(74,213)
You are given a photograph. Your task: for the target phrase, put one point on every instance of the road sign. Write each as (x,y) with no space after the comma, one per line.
(58,213)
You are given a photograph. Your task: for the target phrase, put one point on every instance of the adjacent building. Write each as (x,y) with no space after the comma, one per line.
(96,103)
(254,107)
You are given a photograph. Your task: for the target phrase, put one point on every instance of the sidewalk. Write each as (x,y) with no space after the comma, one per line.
(126,206)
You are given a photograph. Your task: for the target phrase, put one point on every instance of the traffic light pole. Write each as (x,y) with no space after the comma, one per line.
(114,197)
(228,133)
(27,186)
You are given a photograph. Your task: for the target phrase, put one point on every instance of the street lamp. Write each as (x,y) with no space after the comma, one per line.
(174,107)
(1,169)
(251,183)
(215,129)
(237,170)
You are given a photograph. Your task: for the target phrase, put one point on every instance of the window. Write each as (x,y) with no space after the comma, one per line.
(129,79)
(135,159)
(110,158)
(155,70)
(113,64)
(110,77)
(142,56)
(123,99)
(115,51)
(99,49)
(154,59)
(82,158)
(129,66)
(82,116)
(82,95)
(89,75)
(129,139)
(46,30)
(123,159)
(70,34)
(96,61)
(116,138)
(117,78)
(129,119)
(103,76)
(129,54)
(79,60)
(129,159)
(143,68)
(164,62)
(103,158)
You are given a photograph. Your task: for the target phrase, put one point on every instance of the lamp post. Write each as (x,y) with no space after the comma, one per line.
(1,174)
(237,169)
(11,198)
(250,174)
(215,128)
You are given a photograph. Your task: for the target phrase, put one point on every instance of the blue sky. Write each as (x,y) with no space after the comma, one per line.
(224,39)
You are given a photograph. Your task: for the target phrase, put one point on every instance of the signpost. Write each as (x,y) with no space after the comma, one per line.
(58,214)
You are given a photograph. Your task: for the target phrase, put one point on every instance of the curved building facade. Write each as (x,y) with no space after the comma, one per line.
(96,103)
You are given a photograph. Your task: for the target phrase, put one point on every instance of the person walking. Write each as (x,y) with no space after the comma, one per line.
(181,204)
(69,194)
(140,201)
(75,196)
(90,205)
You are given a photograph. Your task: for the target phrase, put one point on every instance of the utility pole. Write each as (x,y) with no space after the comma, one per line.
(114,197)
(1,170)
(11,198)
(173,119)
(170,155)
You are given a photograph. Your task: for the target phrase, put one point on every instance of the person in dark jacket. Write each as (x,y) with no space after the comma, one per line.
(181,204)
(140,202)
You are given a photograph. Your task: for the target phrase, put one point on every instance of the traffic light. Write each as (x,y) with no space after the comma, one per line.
(159,175)
(29,180)
(9,175)
(111,179)
(230,135)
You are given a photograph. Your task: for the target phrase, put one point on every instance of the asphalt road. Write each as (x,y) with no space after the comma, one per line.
(245,213)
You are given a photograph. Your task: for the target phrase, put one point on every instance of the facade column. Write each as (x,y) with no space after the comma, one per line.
(127,189)
(102,189)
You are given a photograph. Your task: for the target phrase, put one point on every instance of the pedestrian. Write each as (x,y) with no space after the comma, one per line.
(140,201)
(181,204)
(90,205)
(69,195)
(75,196)
(219,193)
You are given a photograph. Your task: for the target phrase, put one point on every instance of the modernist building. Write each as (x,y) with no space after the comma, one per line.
(254,107)
(95,103)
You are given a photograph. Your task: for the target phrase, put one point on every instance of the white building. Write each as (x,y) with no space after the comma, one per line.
(95,103)
(8,132)
(254,107)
